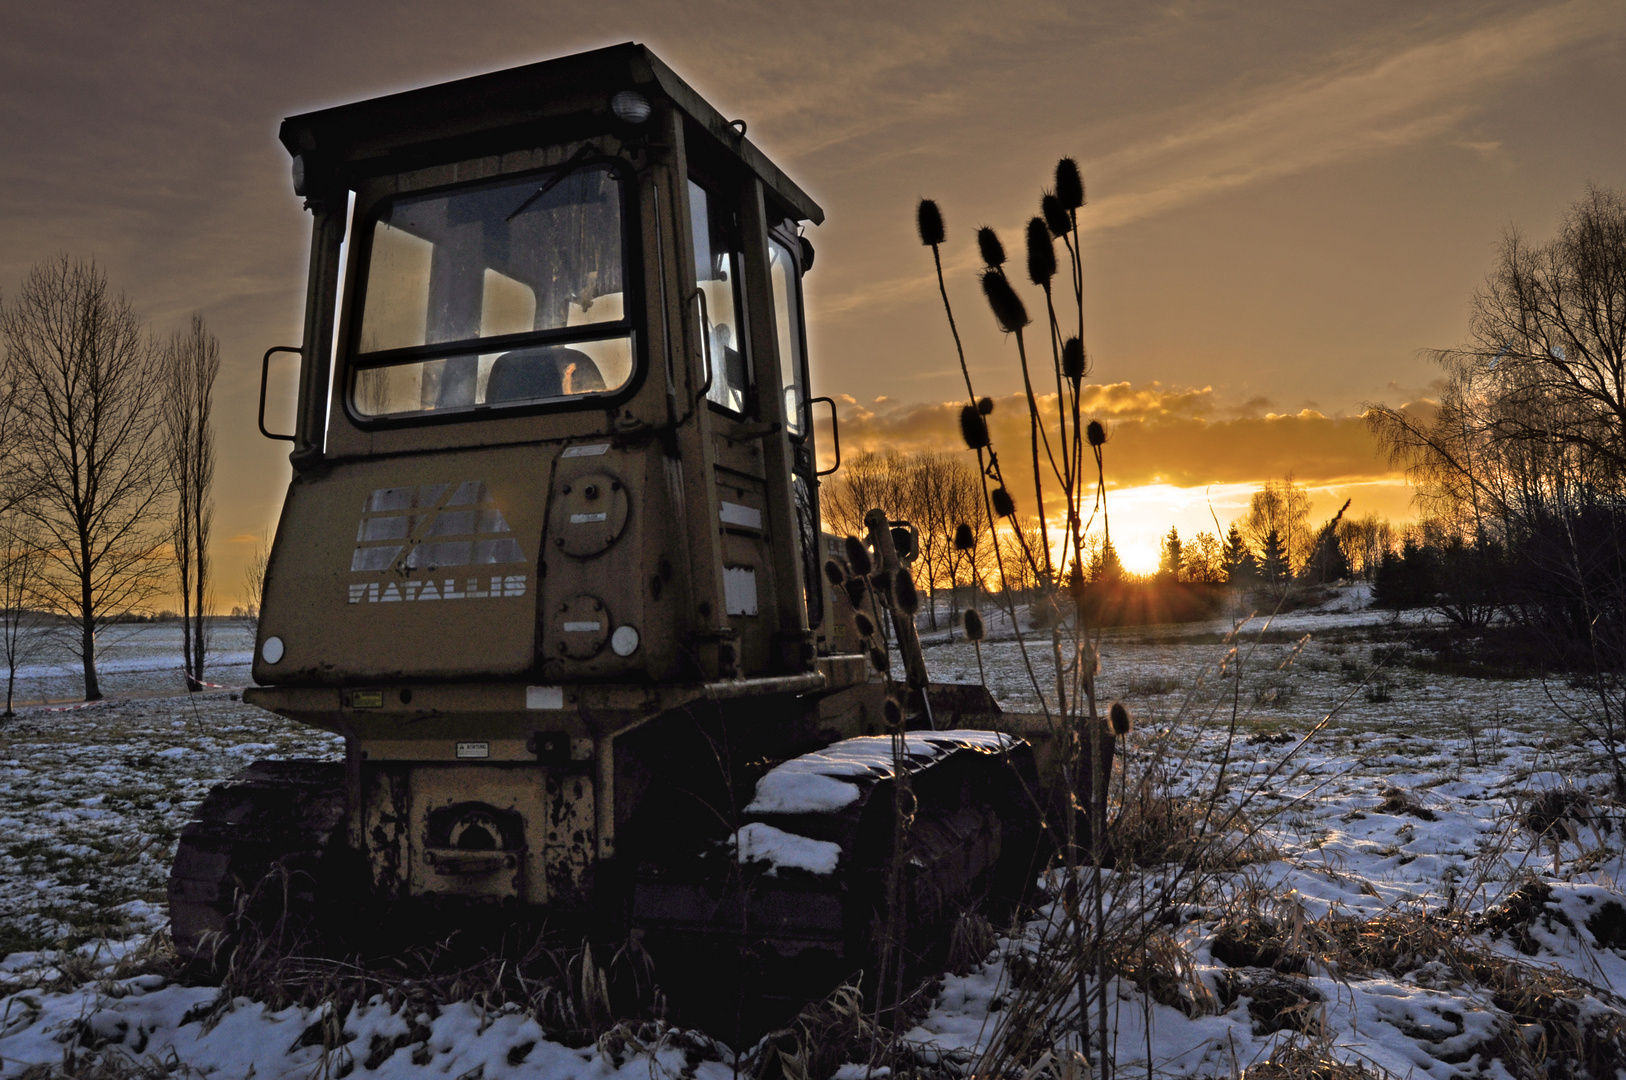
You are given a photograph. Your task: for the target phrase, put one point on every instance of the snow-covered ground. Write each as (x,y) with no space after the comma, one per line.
(131,659)
(1403,805)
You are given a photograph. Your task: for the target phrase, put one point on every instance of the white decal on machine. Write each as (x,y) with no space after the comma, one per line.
(374,592)
(406,532)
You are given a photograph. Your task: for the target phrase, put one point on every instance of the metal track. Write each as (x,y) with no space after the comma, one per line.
(811,888)
(257,846)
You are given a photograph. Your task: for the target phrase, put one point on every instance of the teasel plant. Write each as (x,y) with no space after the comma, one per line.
(1066,468)
(1098,929)
(882,596)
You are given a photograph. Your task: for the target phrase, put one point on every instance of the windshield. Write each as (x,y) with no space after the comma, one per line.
(505,294)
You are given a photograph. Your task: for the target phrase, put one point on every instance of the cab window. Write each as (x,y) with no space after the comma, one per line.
(787,310)
(716,263)
(496,295)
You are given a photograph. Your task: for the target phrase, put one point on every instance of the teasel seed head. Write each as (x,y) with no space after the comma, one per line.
(855,591)
(1072,359)
(904,594)
(881,583)
(857,556)
(973,428)
(834,572)
(866,628)
(892,712)
(974,630)
(1004,505)
(985,405)
(929,220)
(1055,215)
(1009,311)
(1041,253)
(877,659)
(964,538)
(1069,184)
(993,252)
(1118,716)
(1096,433)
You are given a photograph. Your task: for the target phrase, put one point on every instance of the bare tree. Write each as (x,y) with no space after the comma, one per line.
(14,487)
(191,361)
(89,383)
(939,492)
(1365,540)
(1280,507)
(1535,405)
(254,581)
(21,633)
(1550,322)
(1202,559)
(866,481)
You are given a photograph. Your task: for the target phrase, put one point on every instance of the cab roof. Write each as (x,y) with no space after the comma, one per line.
(495,112)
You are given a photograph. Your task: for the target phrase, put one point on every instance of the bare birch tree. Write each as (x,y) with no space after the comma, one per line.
(1283,508)
(191,361)
(89,384)
(21,632)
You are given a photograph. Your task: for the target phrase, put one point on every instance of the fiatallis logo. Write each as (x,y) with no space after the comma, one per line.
(408,534)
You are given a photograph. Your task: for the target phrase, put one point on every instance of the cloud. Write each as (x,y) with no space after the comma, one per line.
(1371,101)
(1395,87)
(1184,437)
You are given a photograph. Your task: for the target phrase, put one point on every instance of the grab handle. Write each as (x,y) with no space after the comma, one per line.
(835,433)
(265,369)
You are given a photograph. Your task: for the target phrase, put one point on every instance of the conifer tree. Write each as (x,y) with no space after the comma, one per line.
(1238,561)
(1105,565)
(1273,562)
(1169,565)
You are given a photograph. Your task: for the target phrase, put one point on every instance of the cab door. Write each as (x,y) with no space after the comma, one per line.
(757,420)
(787,258)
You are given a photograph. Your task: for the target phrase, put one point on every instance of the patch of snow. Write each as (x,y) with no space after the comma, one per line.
(820,782)
(760,842)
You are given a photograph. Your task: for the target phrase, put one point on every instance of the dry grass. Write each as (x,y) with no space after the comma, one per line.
(1296,1060)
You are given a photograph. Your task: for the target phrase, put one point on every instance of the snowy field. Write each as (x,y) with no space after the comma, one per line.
(1400,811)
(131,659)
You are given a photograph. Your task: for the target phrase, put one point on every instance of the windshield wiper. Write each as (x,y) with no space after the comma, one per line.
(575,162)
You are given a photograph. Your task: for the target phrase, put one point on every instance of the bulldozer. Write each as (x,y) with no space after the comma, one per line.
(550,560)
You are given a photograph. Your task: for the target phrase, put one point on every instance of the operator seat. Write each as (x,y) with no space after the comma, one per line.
(540,372)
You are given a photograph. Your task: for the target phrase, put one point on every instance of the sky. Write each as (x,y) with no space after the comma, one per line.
(1289,202)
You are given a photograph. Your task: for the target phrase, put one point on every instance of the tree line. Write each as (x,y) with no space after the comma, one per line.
(1272,547)
(108,435)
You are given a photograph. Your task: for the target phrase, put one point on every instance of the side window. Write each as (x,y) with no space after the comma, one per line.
(715,266)
(787,309)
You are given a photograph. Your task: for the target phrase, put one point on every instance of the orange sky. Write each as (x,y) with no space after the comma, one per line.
(1287,201)
(1173,458)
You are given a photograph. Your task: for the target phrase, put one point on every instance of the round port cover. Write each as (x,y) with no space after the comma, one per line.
(589,514)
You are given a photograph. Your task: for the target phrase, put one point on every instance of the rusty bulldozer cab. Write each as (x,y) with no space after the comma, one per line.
(551,551)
